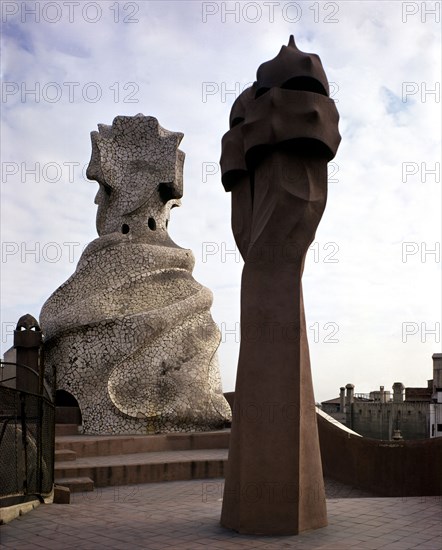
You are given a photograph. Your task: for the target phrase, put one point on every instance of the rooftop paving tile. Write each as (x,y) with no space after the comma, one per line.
(183,515)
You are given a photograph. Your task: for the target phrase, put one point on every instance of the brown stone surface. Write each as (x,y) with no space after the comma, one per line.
(90,445)
(76,484)
(383,468)
(27,343)
(148,467)
(274,161)
(387,468)
(64,455)
(66,429)
(183,515)
(62,494)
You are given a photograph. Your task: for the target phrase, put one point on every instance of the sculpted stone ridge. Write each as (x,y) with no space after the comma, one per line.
(130,332)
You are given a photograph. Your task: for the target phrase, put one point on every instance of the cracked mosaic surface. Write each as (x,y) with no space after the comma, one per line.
(130,332)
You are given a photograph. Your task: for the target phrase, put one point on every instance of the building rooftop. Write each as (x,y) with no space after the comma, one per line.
(185,515)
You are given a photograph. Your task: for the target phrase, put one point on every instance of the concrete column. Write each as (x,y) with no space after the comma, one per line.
(381,394)
(437,370)
(342,399)
(274,481)
(398,392)
(349,398)
(27,342)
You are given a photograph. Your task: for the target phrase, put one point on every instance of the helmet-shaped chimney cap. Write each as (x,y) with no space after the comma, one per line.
(292,69)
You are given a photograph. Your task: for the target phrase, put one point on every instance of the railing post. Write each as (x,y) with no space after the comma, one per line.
(27,342)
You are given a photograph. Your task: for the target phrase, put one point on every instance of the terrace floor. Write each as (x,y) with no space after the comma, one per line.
(185,515)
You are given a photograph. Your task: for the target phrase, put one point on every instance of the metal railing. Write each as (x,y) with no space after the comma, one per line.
(27,439)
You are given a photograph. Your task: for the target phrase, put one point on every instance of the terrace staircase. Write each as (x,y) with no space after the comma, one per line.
(83,462)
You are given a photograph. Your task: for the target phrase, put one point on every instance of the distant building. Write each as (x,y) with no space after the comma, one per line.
(417,414)
(436,398)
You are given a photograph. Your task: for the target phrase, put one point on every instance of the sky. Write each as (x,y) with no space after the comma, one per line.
(372,279)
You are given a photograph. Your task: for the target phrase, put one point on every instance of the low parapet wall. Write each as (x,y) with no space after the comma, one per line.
(388,468)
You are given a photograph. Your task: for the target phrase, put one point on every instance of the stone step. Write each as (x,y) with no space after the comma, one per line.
(108,445)
(62,494)
(63,455)
(75,484)
(151,467)
(66,429)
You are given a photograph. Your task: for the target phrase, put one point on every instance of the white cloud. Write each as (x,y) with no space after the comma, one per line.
(166,61)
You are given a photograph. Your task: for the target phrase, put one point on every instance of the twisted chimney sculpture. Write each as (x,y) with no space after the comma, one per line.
(283,131)
(130,332)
